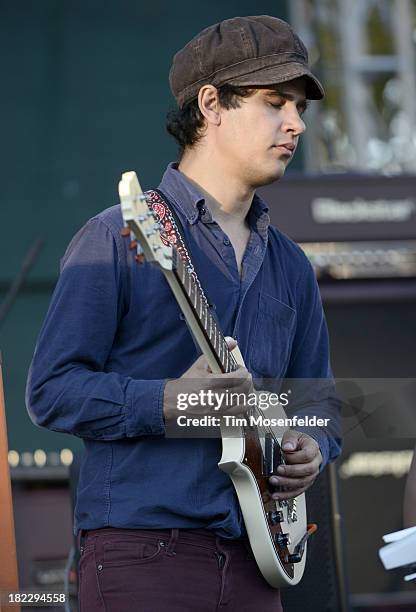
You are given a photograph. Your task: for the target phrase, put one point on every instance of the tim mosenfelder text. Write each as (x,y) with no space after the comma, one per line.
(256,420)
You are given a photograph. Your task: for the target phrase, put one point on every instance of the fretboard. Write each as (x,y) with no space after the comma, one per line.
(202,314)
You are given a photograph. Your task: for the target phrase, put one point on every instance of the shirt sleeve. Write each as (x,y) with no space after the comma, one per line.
(309,373)
(68,388)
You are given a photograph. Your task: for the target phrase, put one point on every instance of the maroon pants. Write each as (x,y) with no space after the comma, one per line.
(170,570)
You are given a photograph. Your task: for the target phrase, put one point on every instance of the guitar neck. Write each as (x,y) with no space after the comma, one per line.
(201,317)
(139,214)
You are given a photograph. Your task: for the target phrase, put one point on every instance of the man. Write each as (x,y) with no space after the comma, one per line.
(161,525)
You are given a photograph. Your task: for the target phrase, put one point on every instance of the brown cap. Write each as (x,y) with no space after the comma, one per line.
(259,50)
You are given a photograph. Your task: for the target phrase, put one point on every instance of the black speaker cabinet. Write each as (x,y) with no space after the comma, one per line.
(375,340)
(43,527)
(323,587)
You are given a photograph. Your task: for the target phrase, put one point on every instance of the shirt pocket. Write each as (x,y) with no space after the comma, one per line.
(273,336)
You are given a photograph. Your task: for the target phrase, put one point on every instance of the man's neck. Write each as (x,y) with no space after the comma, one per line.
(226,197)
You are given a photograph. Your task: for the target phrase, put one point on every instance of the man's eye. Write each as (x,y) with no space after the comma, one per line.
(279,105)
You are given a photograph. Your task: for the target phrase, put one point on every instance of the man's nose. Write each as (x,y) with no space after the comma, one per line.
(293,121)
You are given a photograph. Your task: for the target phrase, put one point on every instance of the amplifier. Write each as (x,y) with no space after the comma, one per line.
(377,259)
(350,226)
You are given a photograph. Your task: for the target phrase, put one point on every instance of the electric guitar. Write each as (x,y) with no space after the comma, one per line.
(277,530)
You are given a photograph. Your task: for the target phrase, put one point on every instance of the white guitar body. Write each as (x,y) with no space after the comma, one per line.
(252,507)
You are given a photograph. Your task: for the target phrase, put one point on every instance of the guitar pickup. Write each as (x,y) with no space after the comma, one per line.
(272,455)
(296,556)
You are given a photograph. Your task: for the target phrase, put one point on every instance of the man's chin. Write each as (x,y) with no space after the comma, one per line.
(268,175)
(275,174)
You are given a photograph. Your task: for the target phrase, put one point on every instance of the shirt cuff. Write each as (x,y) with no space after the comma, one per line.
(145,408)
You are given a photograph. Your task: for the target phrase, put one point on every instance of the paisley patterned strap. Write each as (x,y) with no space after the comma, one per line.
(170,234)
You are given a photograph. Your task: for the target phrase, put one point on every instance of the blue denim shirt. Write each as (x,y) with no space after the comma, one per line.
(114,333)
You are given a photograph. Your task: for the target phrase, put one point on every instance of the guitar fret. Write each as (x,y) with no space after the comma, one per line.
(188,285)
(224,360)
(192,293)
(202,311)
(183,272)
(196,298)
(207,320)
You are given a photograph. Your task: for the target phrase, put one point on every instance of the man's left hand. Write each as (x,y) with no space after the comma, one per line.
(303,459)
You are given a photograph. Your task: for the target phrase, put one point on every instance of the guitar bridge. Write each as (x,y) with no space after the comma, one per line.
(292,513)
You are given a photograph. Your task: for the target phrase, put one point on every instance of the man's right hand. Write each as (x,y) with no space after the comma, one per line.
(199,377)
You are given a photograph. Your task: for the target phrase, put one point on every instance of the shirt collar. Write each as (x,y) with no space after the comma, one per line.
(189,199)
(178,188)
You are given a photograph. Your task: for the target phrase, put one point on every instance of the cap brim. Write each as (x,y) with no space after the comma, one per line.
(281,74)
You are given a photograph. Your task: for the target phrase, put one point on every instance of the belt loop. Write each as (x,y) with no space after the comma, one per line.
(81,540)
(172,542)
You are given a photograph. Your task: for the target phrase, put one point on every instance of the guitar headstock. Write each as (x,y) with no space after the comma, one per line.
(141,221)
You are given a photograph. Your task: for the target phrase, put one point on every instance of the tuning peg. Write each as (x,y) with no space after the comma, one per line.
(139,257)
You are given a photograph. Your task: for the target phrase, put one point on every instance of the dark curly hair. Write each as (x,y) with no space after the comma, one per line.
(186,124)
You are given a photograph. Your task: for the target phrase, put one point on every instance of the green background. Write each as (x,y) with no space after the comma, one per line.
(84,97)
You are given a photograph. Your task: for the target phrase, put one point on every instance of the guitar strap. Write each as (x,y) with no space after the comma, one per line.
(171,234)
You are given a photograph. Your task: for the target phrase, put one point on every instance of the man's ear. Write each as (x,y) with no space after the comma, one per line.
(209,104)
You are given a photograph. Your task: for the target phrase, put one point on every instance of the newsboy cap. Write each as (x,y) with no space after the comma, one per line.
(251,51)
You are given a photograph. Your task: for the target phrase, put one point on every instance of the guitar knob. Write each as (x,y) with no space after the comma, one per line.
(275,517)
(282,539)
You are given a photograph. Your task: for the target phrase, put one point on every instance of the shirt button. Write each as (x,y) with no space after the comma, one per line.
(227,242)
(203,210)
